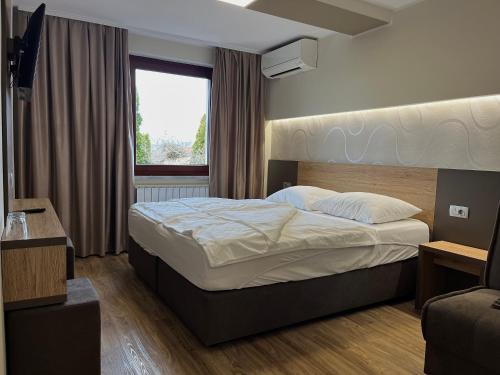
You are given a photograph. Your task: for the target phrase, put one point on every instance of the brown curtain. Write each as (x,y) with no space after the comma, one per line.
(237,126)
(73,142)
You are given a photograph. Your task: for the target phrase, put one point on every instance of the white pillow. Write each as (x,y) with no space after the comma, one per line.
(366,207)
(302,197)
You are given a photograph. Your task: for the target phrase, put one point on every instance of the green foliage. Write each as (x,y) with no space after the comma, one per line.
(142,140)
(199,143)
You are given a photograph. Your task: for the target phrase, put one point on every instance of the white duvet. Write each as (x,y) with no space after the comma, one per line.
(231,231)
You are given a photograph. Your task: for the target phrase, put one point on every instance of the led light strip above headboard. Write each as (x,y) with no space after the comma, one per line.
(458,134)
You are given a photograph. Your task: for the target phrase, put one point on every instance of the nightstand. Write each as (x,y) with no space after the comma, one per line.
(435,258)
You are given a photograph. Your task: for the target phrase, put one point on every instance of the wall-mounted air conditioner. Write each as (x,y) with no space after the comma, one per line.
(293,58)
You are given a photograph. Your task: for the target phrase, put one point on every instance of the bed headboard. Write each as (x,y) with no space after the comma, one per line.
(433,190)
(414,185)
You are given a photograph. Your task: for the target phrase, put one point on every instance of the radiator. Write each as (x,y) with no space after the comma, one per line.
(166,192)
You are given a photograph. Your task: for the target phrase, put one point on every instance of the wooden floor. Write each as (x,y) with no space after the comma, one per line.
(140,335)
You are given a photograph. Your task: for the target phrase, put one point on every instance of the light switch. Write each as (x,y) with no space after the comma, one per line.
(459,211)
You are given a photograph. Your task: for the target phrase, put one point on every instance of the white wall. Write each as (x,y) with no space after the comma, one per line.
(435,50)
(170,50)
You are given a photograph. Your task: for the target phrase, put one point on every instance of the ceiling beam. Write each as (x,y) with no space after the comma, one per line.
(325,14)
(363,7)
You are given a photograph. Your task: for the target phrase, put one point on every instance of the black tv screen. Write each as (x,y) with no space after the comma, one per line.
(28,53)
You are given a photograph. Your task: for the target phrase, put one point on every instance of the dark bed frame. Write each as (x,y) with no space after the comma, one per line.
(216,317)
(221,316)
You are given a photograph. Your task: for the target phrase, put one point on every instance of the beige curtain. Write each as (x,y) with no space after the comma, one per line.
(237,126)
(73,142)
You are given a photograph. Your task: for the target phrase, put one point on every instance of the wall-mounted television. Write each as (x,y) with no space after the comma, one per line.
(23,54)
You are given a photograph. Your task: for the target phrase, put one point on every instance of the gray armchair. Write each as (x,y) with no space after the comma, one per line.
(462,329)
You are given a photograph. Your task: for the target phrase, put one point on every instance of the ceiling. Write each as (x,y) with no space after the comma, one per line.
(208,22)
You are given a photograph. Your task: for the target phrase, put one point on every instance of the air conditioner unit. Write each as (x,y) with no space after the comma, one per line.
(294,58)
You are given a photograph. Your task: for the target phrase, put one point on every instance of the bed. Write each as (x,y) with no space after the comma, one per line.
(244,292)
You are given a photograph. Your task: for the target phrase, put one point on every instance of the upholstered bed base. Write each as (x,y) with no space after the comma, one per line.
(144,263)
(216,317)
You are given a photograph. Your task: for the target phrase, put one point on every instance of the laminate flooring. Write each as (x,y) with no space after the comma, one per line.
(140,335)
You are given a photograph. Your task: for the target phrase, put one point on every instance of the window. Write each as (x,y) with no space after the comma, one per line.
(171,111)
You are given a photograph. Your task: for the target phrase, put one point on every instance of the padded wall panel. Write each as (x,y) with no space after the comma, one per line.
(458,134)
(280,172)
(480,191)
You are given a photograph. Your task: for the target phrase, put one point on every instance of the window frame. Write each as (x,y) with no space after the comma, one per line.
(170,67)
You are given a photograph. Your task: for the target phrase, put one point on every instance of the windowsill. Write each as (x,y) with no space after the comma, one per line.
(170,180)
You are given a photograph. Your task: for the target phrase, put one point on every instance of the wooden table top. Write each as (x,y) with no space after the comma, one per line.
(456,250)
(44,229)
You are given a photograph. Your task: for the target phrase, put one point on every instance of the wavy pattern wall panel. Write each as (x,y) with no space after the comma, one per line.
(460,134)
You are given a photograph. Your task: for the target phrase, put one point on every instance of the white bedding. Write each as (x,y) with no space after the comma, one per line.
(221,244)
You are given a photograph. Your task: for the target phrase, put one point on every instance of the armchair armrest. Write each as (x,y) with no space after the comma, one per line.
(425,309)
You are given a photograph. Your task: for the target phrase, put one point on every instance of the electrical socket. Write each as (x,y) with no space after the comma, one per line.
(459,211)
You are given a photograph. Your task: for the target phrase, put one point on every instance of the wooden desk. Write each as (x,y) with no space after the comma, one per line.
(434,256)
(34,268)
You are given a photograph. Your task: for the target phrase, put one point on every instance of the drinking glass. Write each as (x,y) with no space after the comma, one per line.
(16,225)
